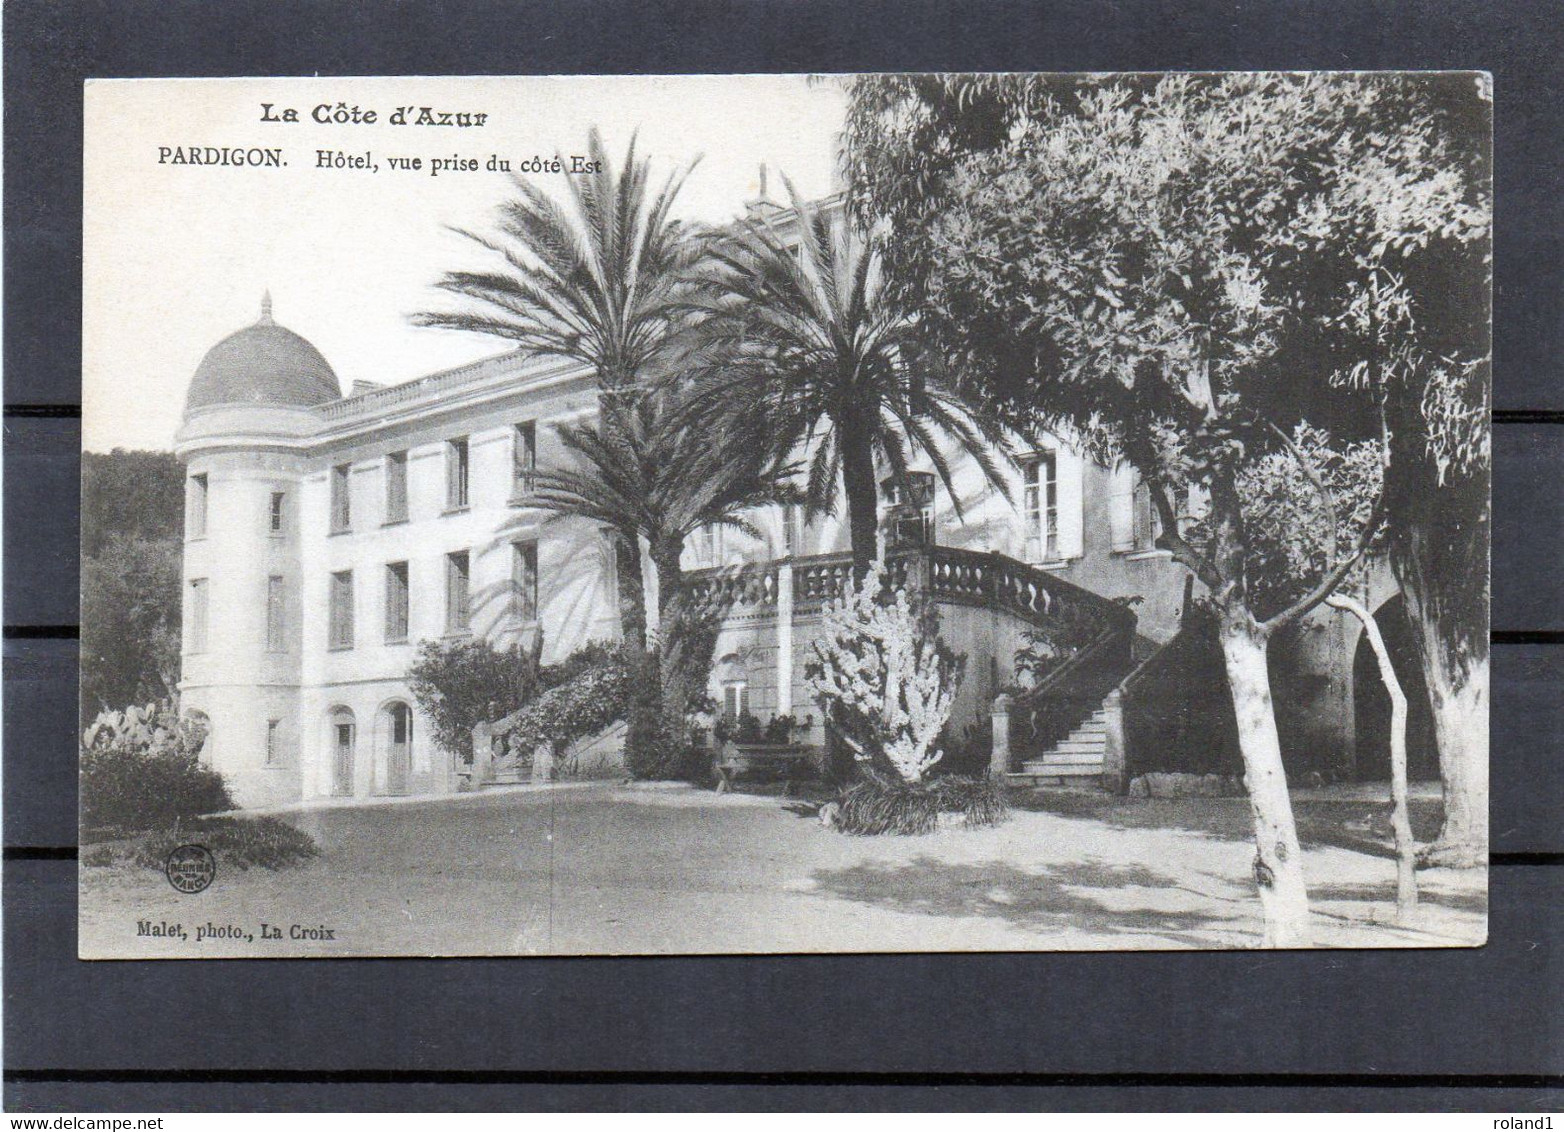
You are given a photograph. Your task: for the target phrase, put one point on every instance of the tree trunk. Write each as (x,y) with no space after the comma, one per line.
(1455,669)
(1400,819)
(632,592)
(863,506)
(1460,706)
(1278,865)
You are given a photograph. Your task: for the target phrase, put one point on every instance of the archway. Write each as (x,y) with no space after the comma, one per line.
(1371,703)
(396,731)
(343,738)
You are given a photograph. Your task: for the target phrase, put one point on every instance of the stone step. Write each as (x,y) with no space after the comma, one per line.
(1080,784)
(1081,746)
(1066,769)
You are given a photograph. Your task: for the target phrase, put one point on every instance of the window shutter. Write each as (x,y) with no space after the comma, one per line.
(1070,469)
(1121,508)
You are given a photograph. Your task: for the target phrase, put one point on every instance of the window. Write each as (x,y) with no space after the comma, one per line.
(457,578)
(1041,506)
(198,613)
(709,545)
(396,603)
(195,522)
(276,615)
(1147,524)
(273,744)
(1133,520)
(342,610)
(274,513)
(341,509)
(396,487)
(524,579)
(524,458)
(456,470)
(735,699)
(913,513)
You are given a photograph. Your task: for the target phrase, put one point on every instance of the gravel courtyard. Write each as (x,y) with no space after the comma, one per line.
(599,868)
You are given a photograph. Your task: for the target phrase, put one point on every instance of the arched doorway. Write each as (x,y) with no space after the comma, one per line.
(397,730)
(343,737)
(1371,703)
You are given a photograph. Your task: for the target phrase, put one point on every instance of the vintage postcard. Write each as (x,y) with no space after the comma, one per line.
(775,514)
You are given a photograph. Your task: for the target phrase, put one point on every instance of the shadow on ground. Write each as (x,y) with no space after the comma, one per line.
(1359,826)
(1475,902)
(1059,897)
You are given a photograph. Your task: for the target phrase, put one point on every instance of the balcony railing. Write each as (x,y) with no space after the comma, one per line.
(949,575)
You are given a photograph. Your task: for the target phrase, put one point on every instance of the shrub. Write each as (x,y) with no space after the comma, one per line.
(141,769)
(236,843)
(884,678)
(595,697)
(878,805)
(461,685)
(97,856)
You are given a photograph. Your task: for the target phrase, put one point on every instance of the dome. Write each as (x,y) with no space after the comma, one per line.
(263,364)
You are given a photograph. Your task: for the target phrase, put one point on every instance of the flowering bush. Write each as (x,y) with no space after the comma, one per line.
(884,677)
(141,768)
(593,699)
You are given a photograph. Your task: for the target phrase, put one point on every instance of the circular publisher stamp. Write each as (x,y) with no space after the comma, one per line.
(190,868)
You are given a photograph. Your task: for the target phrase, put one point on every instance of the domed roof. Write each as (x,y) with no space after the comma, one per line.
(263,364)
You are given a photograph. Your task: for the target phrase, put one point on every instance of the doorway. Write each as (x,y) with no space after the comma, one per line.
(399,749)
(342,734)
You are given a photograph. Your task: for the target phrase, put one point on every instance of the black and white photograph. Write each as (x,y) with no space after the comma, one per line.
(747,514)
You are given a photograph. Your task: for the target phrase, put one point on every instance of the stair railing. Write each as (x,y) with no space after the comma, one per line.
(496,751)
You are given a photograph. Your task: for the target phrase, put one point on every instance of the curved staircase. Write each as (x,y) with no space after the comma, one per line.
(1076,760)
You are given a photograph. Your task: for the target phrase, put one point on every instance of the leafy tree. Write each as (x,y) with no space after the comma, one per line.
(1389,272)
(1407,248)
(813,341)
(132,518)
(1136,260)
(130,618)
(140,494)
(465,683)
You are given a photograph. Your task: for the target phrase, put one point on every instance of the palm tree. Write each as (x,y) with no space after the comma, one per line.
(597,275)
(650,473)
(810,338)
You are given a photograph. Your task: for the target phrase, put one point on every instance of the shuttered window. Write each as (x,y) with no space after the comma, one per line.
(195,523)
(457,580)
(524,579)
(396,603)
(396,487)
(342,610)
(341,509)
(456,473)
(524,458)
